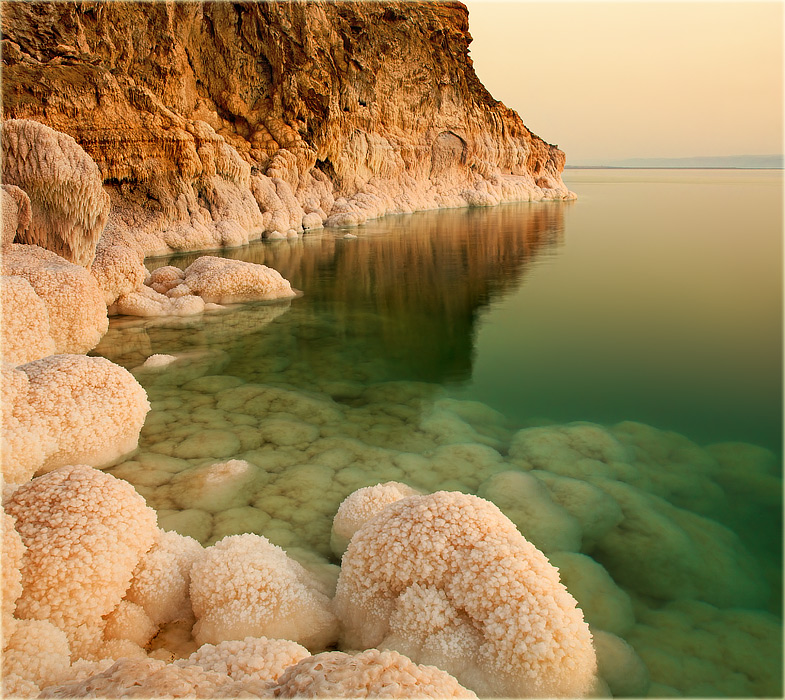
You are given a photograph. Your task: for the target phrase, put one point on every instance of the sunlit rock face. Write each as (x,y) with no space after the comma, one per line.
(216,123)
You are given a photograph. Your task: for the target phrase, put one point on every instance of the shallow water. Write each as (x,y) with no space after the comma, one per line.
(421,348)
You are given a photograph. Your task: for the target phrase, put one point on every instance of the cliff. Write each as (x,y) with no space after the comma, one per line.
(216,123)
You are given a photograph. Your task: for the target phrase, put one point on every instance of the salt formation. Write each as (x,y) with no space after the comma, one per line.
(13,551)
(210,281)
(69,207)
(446,579)
(66,408)
(151,678)
(224,281)
(252,658)
(335,674)
(656,548)
(244,586)
(372,673)
(359,507)
(17,214)
(704,651)
(525,501)
(161,579)
(669,553)
(596,512)
(25,328)
(35,654)
(619,666)
(63,308)
(605,606)
(84,532)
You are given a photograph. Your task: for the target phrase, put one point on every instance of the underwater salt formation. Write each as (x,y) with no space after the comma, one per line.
(309,450)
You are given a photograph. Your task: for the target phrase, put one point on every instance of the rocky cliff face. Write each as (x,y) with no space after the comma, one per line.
(213,123)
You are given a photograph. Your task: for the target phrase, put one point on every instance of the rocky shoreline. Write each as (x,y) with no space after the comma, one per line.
(132,129)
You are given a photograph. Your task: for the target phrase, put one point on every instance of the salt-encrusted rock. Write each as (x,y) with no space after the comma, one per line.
(66,408)
(446,579)
(223,281)
(73,300)
(24,332)
(84,532)
(245,586)
(16,213)
(69,205)
(338,130)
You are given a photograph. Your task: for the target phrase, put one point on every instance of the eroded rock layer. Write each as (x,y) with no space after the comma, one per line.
(216,123)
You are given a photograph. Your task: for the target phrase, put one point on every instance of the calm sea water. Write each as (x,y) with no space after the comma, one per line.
(655,298)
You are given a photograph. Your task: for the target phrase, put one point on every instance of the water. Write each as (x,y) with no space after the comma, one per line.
(420,348)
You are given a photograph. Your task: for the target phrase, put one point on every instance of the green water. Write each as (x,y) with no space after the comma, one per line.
(422,346)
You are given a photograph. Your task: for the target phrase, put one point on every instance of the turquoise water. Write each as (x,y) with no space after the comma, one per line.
(421,348)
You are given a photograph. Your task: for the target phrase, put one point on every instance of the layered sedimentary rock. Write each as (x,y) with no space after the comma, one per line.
(216,123)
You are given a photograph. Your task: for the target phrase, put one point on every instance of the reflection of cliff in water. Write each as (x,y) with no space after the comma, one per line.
(406,292)
(398,302)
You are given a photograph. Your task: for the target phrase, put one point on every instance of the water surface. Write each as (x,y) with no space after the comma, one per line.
(420,348)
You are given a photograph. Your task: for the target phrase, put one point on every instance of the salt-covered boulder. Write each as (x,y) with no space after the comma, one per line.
(24,333)
(245,586)
(74,301)
(84,532)
(447,580)
(224,281)
(68,202)
(68,408)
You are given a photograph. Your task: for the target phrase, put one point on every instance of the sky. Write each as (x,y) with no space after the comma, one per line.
(616,80)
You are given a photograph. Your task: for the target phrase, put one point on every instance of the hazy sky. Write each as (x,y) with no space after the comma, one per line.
(637,79)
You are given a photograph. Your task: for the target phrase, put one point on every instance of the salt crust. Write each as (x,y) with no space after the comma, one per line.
(69,207)
(69,314)
(13,551)
(359,507)
(151,678)
(162,577)
(244,586)
(446,579)
(64,408)
(252,658)
(25,327)
(372,673)
(17,214)
(74,586)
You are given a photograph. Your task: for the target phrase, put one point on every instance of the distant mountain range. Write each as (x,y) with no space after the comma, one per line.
(766,161)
